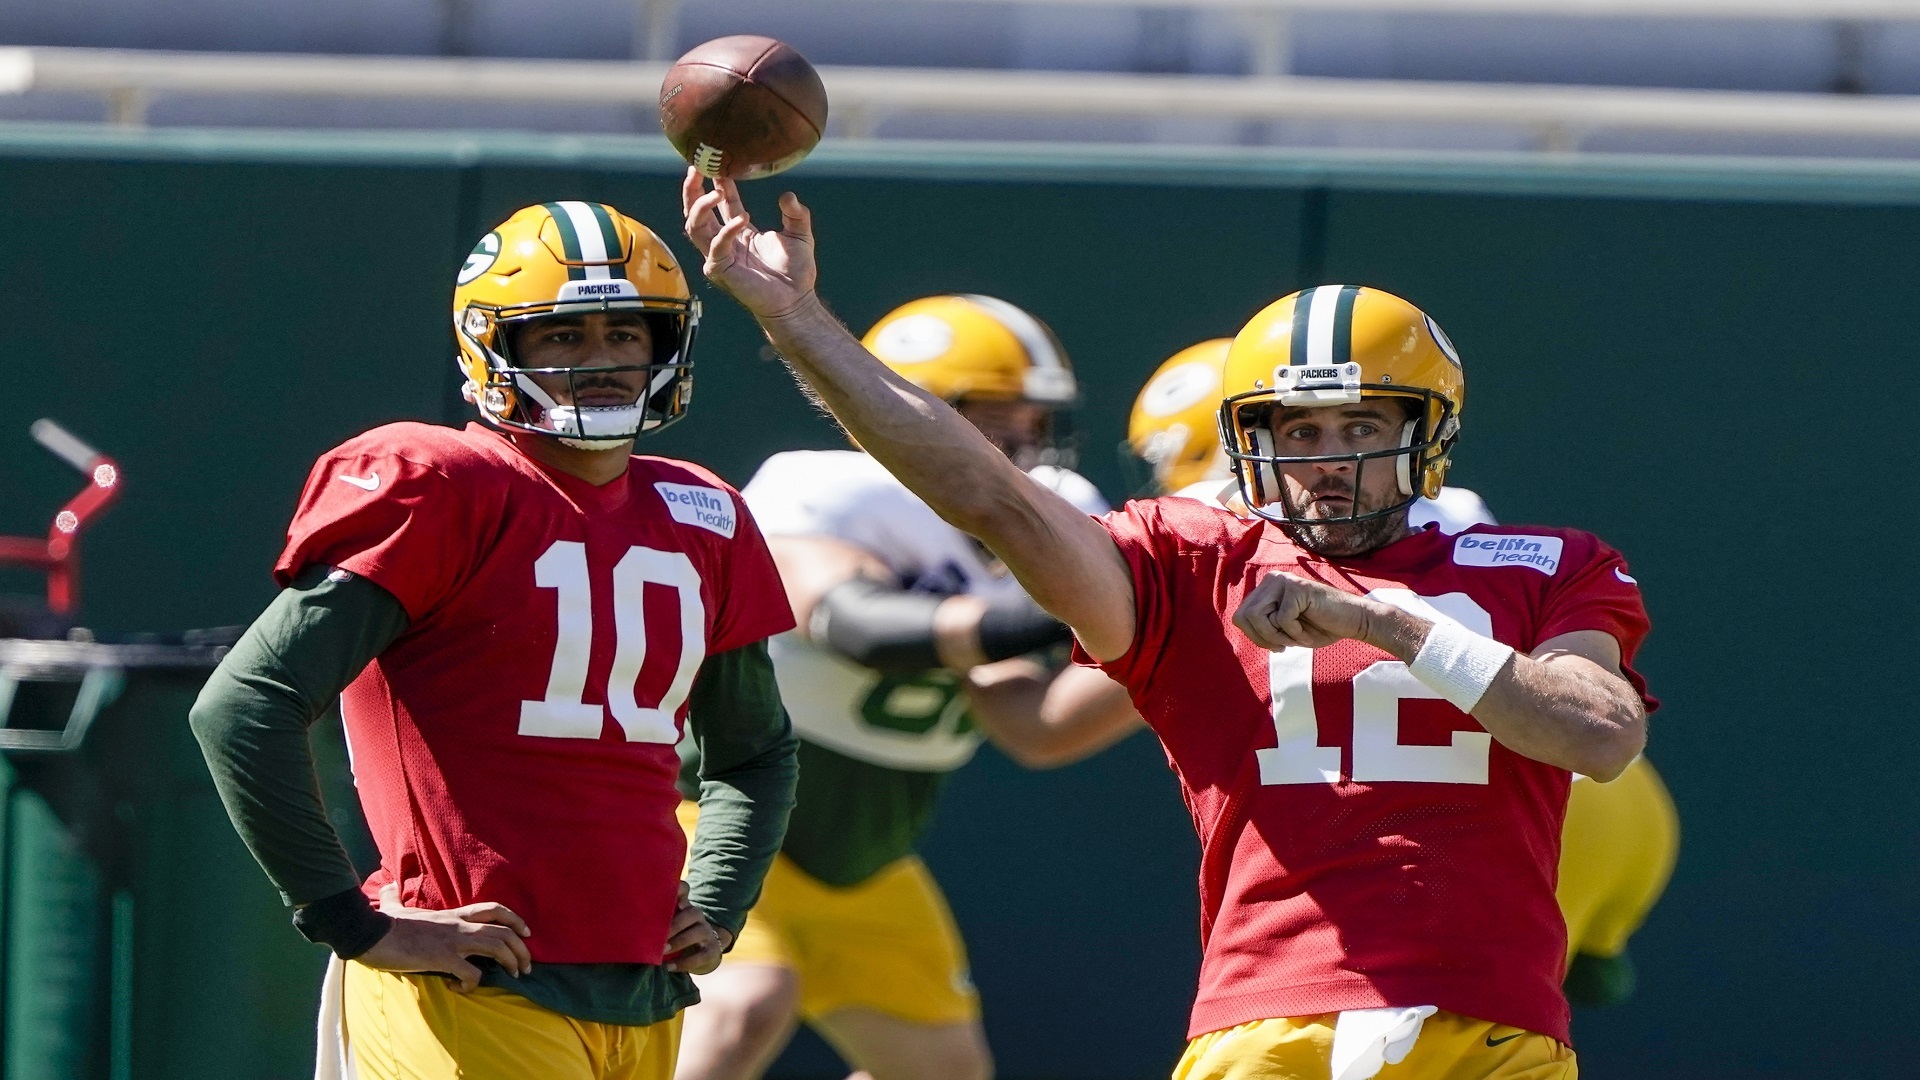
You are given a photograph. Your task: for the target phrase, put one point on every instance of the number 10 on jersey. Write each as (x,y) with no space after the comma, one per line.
(562,714)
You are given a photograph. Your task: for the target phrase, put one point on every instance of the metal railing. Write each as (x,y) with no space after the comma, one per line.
(1558,117)
(1268,22)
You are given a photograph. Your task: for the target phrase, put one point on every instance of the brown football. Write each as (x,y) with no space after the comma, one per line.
(743,106)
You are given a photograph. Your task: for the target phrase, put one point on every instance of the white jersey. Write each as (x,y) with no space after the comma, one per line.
(1454,509)
(913,722)
(1215,493)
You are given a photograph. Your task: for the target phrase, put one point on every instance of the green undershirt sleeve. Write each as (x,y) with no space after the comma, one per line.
(253,714)
(748,769)
(1595,982)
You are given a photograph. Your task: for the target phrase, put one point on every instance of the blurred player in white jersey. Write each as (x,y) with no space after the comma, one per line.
(1620,839)
(913,644)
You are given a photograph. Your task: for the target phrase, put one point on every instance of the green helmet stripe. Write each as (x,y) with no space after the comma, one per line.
(569,239)
(1297,341)
(1343,323)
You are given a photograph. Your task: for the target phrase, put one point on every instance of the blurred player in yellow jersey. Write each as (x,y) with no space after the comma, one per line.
(1620,839)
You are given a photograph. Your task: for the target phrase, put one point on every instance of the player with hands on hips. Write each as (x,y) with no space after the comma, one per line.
(519,620)
(913,644)
(1378,781)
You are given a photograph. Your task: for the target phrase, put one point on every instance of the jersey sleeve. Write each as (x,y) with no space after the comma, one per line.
(752,601)
(1140,532)
(1454,510)
(385,517)
(1601,595)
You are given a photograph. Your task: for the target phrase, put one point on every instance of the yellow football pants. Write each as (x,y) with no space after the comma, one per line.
(889,944)
(1450,1047)
(417,1027)
(1617,851)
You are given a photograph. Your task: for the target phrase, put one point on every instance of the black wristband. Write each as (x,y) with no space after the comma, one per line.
(1017,626)
(345,922)
(878,626)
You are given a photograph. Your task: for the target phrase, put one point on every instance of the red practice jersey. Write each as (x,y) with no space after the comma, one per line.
(516,743)
(1363,842)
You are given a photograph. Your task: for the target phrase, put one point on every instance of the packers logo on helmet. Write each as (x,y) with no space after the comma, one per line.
(1331,345)
(571,259)
(1174,427)
(978,348)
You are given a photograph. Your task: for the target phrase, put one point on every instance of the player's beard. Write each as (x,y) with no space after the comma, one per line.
(1339,538)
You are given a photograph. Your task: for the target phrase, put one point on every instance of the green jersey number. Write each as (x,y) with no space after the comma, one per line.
(917,704)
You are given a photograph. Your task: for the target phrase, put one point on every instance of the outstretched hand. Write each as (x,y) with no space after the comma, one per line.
(442,941)
(770,273)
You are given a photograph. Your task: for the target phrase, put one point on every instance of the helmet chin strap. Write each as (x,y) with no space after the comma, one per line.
(595,444)
(585,427)
(590,427)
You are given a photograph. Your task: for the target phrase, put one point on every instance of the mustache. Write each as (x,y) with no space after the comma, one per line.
(597,382)
(1332,486)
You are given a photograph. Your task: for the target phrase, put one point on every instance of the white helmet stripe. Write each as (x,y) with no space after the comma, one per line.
(1057,382)
(593,244)
(1323,304)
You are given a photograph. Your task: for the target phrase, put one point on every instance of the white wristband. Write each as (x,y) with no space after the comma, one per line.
(1459,663)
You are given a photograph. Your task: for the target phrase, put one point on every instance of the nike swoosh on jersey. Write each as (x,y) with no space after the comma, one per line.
(1491,1041)
(364,483)
(1624,576)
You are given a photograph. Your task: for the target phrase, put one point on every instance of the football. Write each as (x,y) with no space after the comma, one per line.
(743,106)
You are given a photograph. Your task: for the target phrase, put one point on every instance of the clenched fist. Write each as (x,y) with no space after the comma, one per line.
(1286,610)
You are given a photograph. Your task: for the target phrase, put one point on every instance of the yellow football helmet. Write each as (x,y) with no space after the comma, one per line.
(972,347)
(1332,345)
(1175,424)
(572,258)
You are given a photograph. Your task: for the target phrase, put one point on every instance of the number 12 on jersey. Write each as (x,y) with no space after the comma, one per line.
(1378,754)
(562,715)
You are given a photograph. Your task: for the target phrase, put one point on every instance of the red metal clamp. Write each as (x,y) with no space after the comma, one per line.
(59,553)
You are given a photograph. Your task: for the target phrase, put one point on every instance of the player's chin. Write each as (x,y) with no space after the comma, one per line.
(1338,539)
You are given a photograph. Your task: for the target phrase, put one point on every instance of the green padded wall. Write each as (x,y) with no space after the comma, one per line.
(214,326)
(1673,354)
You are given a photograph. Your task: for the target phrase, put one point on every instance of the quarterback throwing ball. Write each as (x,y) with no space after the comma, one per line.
(518,618)
(1375,728)
(1618,845)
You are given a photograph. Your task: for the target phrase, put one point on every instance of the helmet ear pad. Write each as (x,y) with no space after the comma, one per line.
(1436,472)
(1266,478)
(1403,464)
